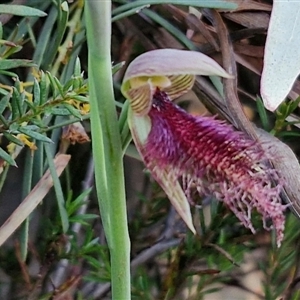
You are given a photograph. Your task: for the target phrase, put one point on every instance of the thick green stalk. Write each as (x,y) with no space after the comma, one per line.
(107,149)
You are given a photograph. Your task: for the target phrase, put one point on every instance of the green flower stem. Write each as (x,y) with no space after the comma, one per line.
(107,150)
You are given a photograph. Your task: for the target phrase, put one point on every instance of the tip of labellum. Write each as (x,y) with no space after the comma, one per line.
(211,157)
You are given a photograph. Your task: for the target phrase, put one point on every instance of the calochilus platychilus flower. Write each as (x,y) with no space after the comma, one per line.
(203,153)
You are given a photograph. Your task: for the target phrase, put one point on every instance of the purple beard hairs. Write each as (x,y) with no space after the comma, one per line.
(212,157)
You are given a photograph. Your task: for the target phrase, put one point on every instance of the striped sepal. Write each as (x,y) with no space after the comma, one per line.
(141,99)
(180,84)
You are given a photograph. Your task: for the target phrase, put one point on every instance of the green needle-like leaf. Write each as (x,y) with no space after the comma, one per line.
(21,10)
(35,135)
(4,155)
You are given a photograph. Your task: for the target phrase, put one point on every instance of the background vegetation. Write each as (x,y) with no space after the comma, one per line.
(60,250)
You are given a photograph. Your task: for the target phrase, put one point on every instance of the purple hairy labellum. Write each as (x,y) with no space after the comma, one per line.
(212,157)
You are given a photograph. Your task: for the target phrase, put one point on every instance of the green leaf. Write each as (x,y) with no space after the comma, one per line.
(16,104)
(4,102)
(124,127)
(262,114)
(68,86)
(83,218)
(6,64)
(63,16)
(13,127)
(36,92)
(292,105)
(7,73)
(200,3)
(94,262)
(59,86)
(117,67)
(58,111)
(3,91)
(12,139)
(73,111)
(43,88)
(90,244)
(4,155)
(31,127)
(72,206)
(4,121)
(58,190)
(11,51)
(77,69)
(31,105)
(80,98)
(21,10)
(288,134)
(35,135)
(53,85)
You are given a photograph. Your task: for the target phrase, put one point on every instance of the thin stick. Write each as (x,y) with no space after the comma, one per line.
(230,85)
(33,199)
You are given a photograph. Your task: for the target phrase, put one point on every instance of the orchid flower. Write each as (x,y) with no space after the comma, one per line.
(203,153)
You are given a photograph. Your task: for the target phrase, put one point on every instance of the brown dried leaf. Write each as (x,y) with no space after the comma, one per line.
(249,50)
(250,5)
(198,26)
(75,133)
(249,19)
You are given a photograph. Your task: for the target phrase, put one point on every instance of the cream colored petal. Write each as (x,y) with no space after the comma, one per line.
(170,62)
(140,128)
